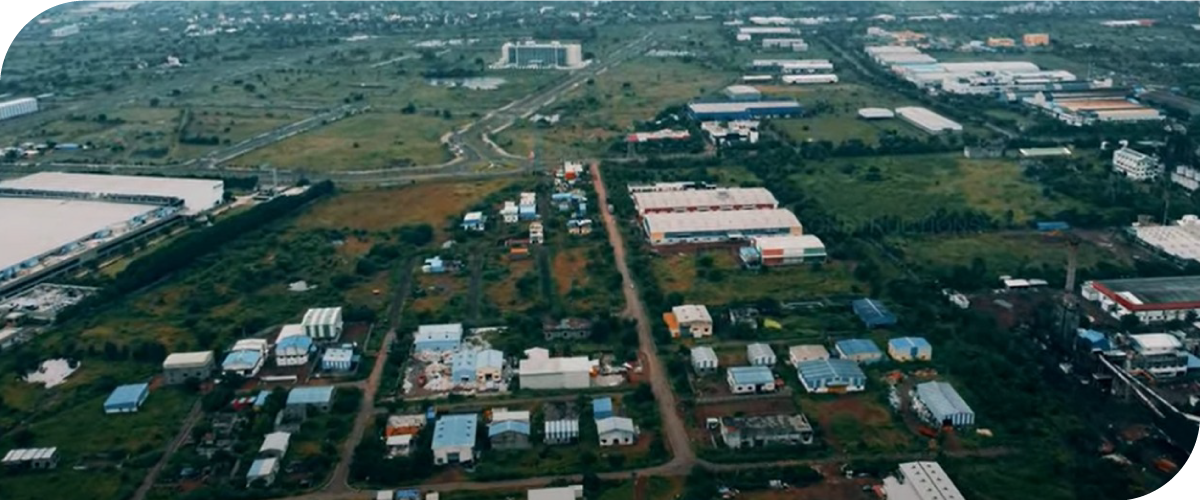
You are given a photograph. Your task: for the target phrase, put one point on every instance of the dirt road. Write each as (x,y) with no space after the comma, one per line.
(190,421)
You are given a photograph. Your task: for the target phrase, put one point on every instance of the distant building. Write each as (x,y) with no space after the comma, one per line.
(800,353)
(760,354)
(537,234)
(1186,177)
(859,350)
(566,329)
(910,349)
(561,424)
(1036,39)
(509,434)
(831,375)
(301,400)
(246,358)
(126,398)
(1162,355)
(574,492)
(793,44)
(65,31)
(30,458)
(602,408)
(817,79)
(742,93)
(540,371)
(873,313)
(927,120)
(454,439)
(1135,165)
(338,359)
(616,431)
(718,227)
(18,107)
(262,470)
(939,404)
(689,320)
(772,430)
(541,55)
(704,200)
(876,113)
(921,481)
(1001,42)
(704,360)
(783,250)
(292,346)
(181,366)
(509,213)
(743,110)
(323,324)
(489,367)
(1152,300)
(473,221)
(750,379)
(438,338)
(275,444)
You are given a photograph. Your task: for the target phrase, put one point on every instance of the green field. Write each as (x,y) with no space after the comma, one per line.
(834,113)
(911,188)
(1002,254)
(723,281)
(369,141)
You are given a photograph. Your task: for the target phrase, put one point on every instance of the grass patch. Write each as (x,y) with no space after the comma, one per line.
(724,281)
(440,204)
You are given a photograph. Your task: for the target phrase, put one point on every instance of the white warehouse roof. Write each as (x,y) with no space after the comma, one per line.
(876,113)
(927,119)
(198,195)
(691,313)
(731,221)
(540,366)
(188,359)
(695,198)
(46,225)
(791,242)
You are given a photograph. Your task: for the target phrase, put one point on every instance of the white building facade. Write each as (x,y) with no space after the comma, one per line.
(1135,165)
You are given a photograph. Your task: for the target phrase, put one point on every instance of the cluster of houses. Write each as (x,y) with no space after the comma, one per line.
(451,361)
(569,199)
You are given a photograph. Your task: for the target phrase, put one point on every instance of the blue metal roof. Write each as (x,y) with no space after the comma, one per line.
(873,313)
(508,426)
(239,359)
(1095,339)
(294,343)
(127,396)
(489,358)
(455,430)
(906,343)
(408,495)
(310,395)
(602,405)
(855,347)
(814,370)
(262,467)
(1193,363)
(747,375)
(942,400)
(261,399)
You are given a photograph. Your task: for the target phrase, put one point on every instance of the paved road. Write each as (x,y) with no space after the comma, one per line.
(193,416)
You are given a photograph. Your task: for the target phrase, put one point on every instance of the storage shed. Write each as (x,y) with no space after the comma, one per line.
(808,352)
(760,354)
(910,349)
(831,375)
(750,379)
(704,360)
(126,398)
(939,404)
(323,324)
(859,350)
(873,313)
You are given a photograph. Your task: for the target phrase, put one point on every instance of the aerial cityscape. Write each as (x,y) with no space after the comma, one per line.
(600,250)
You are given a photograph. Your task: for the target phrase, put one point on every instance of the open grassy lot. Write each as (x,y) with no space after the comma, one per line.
(372,140)
(1002,253)
(834,113)
(856,423)
(440,204)
(714,277)
(911,188)
(222,126)
(133,134)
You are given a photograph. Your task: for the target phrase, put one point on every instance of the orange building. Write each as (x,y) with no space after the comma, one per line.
(1036,39)
(1001,42)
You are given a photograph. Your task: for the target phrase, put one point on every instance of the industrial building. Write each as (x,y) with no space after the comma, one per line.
(323,324)
(65,31)
(616,431)
(292,346)
(301,400)
(809,79)
(750,379)
(1162,355)
(910,349)
(858,350)
(454,439)
(1151,300)
(262,470)
(800,353)
(438,338)
(1180,240)
(339,359)
(773,251)
(474,221)
(920,481)
(561,424)
(873,313)
(181,366)
(939,404)
(770,430)
(689,320)
(1035,39)
(704,360)
(246,358)
(742,93)
(126,398)
(198,195)
(793,66)
(31,458)
(573,492)
(831,376)
(704,200)
(535,55)
(1186,177)
(748,32)
(566,329)
(509,434)
(275,444)
(1092,105)
(927,120)
(760,354)
(731,132)
(18,107)
(540,371)
(743,110)
(876,113)
(793,44)
(1135,165)
(718,227)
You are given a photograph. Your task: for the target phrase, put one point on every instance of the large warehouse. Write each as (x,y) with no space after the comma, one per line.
(743,110)
(704,200)
(69,219)
(1152,300)
(783,250)
(530,54)
(927,120)
(18,107)
(718,227)
(939,404)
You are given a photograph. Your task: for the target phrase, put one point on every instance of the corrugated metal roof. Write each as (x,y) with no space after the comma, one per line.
(29,454)
(322,316)
(448,331)
(696,198)
(262,467)
(517,426)
(740,106)
(759,350)
(455,430)
(732,221)
(600,405)
(704,353)
(127,395)
(188,359)
(751,375)
(691,313)
(615,424)
(853,347)
(822,369)
(906,343)
(310,395)
(275,441)
(941,399)
(489,358)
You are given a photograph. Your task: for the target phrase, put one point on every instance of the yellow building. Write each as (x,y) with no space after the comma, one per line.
(1036,39)
(1001,42)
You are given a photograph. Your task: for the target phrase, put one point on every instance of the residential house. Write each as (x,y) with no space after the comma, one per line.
(292,346)
(760,354)
(323,324)
(566,329)
(616,431)
(750,379)
(772,430)
(809,352)
(181,366)
(910,349)
(438,338)
(704,360)
(126,398)
(689,321)
(454,439)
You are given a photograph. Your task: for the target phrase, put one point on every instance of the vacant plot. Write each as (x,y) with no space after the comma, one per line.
(1014,254)
(372,140)
(773,406)
(207,128)
(505,292)
(438,292)
(856,423)
(833,113)
(439,204)
(913,188)
(714,277)
(141,134)
(568,270)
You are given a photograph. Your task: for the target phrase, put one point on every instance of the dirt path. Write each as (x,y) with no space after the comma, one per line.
(673,427)
(193,416)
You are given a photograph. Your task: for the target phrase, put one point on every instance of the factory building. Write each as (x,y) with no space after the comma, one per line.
(198,195)
(920,481)
(801,353)
(1162,355)
(750,379)
(438,338)
(858,350)
(809,79)
(743,110)
(773,251)
(1091,106)
(292,346)
(760,354)
(1135,165)
(535,55)
(690,321)
(18,107)
(793,44)
(927,120)
(749,32)
(454,439)
(323,324)
(769,430)
(30,458)
(831,376)
(1152,300)
(718,227)
(126,398)
(704,360)
(65,31)
(873,313)
(793,66)
(704,200)
(181,366)
(1186,177)
(732,132)
(1180,240)
(939,404)
(910,349)
(246,358)
(876,113)
(742,93)
(540,371)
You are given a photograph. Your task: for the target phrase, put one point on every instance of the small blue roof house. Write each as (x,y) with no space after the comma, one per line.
(873,313)
(602,408)
(454,438)
(126,398)
(859,350)
(463,365)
